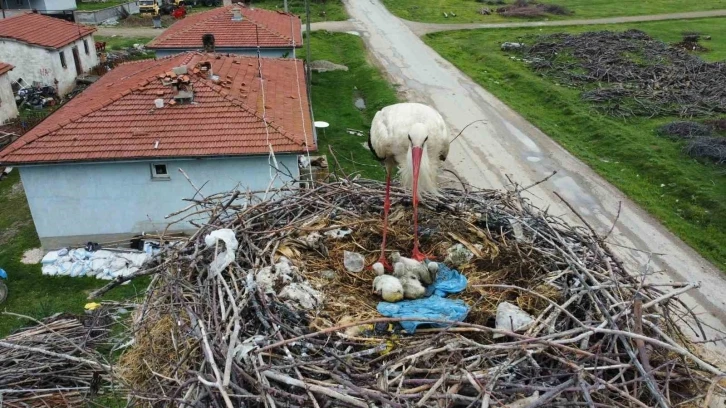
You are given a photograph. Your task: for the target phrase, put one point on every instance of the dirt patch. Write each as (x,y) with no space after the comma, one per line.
(11,231)
(32,256)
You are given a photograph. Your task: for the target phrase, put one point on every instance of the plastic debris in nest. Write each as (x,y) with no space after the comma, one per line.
(226,257)
(433,307)
(512,318)
(296,358)
(353,261)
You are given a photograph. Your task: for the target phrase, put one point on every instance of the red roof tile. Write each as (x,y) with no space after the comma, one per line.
(271,28)
(115,118)
(5,67)
(42,30)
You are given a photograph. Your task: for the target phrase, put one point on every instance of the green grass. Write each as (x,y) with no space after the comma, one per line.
(120,43)
(29,292)
(333,94)
(627,153)
(320,10)
(97,5)
(467,11)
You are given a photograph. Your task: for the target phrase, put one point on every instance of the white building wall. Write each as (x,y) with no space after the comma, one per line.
(43,65)
(8,109)
(75,203)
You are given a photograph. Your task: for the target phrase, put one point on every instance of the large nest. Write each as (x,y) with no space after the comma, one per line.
(631,74)
(601,337)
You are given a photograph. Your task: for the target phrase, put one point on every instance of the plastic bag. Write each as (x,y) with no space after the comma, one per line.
(433,307)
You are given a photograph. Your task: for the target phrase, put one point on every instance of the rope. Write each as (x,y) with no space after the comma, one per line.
(271,159)
(299,99)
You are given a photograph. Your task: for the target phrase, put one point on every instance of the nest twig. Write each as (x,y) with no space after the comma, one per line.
(601,337)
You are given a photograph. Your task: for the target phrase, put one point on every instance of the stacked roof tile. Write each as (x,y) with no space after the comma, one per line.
(42,30)
(268,29)
(116,118)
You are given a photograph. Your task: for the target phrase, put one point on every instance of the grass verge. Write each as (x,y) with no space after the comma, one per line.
(686,195)
(98,5)
(333,95)
(325,10)
(467,11)
(29,292)
(121,43)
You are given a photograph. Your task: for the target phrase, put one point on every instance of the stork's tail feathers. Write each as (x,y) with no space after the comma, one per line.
(426,177)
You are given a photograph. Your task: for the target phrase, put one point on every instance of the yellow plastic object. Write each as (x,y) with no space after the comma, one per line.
(92,306)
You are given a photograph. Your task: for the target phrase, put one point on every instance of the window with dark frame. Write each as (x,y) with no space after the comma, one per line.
(159,172)
(85,47)
(63,59)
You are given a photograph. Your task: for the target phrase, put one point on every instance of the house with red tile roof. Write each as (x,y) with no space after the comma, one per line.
(8,109)
(46,50)
(106,165)
(233,29)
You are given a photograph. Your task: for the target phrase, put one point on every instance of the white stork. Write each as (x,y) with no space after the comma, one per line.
(415,138)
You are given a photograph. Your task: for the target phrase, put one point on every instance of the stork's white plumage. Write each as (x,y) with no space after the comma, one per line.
(413,137)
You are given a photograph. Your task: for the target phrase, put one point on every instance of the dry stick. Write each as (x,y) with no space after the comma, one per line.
(314,388)
(638,328)
(54,354)
(666,296)
(648,380)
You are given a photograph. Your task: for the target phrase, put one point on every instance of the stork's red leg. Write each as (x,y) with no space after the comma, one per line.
(386,209)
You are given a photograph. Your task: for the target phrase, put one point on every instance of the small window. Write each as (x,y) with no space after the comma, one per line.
(159,172)
(63,59)
(85,47)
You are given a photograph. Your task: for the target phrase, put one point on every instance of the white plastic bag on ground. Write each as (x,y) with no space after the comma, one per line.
(223,259)
(49,258)
(50,270)
(102,254)
(117,263)
(64,269)
(79,254)
(136,259)
(98,265)
(79,268)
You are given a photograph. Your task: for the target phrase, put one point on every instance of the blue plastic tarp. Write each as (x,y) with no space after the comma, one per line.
(433,307)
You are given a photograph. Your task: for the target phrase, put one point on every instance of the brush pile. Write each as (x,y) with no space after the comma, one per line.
(532,9)
(224,331)
(53,364)
(631,74)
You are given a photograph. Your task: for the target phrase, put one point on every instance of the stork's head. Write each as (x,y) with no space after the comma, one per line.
(418,135)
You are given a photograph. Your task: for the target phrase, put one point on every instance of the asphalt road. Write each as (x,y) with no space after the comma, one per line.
(507,147)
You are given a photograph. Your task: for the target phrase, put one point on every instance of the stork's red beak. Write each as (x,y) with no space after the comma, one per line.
(416,153)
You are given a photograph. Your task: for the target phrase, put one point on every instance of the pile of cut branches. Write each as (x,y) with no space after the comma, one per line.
(531,9)
(600,337)
(54,363)
(631,74)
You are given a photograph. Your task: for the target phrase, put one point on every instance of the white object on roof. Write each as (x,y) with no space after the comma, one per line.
(159,103)
(321,125)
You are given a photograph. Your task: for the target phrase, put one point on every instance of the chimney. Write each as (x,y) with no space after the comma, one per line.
(208,42)
(236,14)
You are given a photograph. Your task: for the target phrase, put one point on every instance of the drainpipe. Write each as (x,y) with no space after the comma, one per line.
(285,3)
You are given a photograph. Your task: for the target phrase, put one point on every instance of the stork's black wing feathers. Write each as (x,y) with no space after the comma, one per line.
(373,151)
